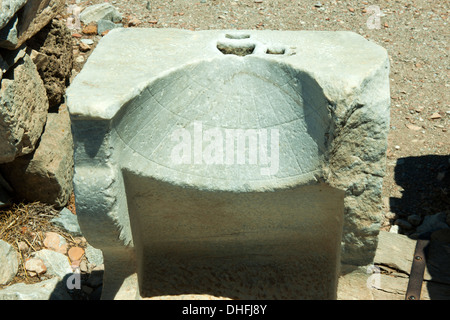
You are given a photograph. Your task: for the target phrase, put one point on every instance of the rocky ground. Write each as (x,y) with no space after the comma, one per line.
(416,187)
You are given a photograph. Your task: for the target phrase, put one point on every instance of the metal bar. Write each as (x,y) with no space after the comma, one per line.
(417,270)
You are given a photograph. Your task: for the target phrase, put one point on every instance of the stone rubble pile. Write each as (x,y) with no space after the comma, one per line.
(36,152)
(57,266)
(38,43)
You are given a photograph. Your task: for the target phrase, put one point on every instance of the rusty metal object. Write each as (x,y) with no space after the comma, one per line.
(417,270)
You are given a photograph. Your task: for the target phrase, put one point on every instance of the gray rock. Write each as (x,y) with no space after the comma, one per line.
(100,11)
(414,219)
(94,256)
(9,262)
(395,250)
(23,110)
(8,9)
(51,289)
(32,18)
(67,221)
(105,25)
(46,174)
(57,263)
(8,35)
(433,223)
(55,42)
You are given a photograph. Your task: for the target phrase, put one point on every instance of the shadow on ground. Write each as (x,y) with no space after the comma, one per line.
(426,184)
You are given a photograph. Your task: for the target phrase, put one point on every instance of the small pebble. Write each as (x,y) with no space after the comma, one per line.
(87,41)
(414,219)
(35,265)
(75,253)
(23,246)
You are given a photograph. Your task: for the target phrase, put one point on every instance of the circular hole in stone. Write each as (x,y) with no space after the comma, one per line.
(237,36)
(239,50)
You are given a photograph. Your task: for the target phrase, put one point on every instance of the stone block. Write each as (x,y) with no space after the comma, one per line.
(240,164)
(55,59)
(23,109)
(8,9)
(9,262)
(26,22)
(51,289)
(105,11)
(46,174)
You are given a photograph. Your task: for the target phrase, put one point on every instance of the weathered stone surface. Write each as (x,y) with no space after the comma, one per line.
(8,9)
(395,250)
(23,110)
(94,255)
(68,222)
(105,11)
(57,263)
(433,223)
(28,21)
(46,174)
(51,289)
(9,262)
(325,93)
(106,25)
(54,43)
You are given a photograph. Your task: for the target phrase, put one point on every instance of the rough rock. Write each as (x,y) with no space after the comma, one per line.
(55,42)
(57,263)
(41,60)
(433,223)
(28,21)
(106,25)
(35,266)
(8,9)
(395,250)
(96,12)
(67,221)
(94,256)
(9,262)
(51,289)
(46,174)
(23,110)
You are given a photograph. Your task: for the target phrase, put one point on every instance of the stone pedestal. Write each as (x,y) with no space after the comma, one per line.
(240,164)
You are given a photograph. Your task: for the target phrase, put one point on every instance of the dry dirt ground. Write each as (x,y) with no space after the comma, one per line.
(416,36)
